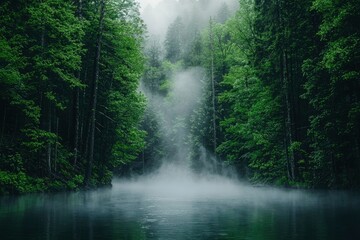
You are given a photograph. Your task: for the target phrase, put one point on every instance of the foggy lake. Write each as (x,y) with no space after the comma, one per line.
(168,206)
(173,102)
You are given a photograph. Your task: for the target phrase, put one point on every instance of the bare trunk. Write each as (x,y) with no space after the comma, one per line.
(56,145)
(357,151)
(48,121)
(94,96)
(357,133)
(285,80)
(287,151)
(83,123)
(76,115)
(3,125)
(49,143)
(333,168)
(76,99)
(143,161)
(15,127)
(288,124)
(213,88)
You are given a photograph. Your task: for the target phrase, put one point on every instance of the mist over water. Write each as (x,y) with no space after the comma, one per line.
(173,113)
(175,176)
(176,204)
(175,179)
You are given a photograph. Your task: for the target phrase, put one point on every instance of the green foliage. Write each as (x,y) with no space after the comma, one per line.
(12,161)
(15,183)
(75,182)
(332,89)
(46,77)
(174,42)
(285,73)
(288,94)
(37,138)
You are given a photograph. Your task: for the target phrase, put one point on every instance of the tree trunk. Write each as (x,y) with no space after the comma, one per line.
(94,96)
(76,99)
(213,88)
(56,145)
(3,124)
(286,144)
(83,123)
(79,8)
(357,152)
(286,89)
(288,124)
(143,161)
(76,115)
(49,143)
(15,127)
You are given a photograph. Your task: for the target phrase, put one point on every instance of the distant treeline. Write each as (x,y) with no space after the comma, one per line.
(69,73)
(282,98)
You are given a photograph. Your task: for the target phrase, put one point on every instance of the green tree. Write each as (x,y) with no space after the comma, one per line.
(69,95)
(174,41)
(332,89)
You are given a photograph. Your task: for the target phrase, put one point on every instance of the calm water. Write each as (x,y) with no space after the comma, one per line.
(190,210)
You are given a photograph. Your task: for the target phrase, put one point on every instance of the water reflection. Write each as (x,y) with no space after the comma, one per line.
(128,211)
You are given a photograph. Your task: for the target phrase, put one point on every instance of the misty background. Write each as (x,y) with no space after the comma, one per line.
(176,88)
(159,14)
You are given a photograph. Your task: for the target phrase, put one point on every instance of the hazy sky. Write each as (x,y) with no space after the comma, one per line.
(144,3)
(163,12)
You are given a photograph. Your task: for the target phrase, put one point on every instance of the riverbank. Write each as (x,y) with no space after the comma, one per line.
(20,183)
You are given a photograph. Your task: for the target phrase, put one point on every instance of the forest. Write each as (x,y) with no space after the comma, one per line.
(279,102)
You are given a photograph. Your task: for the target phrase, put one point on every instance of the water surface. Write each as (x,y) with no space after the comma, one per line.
(182,209)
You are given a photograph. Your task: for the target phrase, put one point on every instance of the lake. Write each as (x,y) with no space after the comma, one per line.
(182,209)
